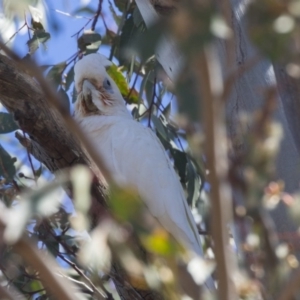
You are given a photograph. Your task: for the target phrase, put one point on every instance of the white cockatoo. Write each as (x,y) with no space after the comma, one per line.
(133,154)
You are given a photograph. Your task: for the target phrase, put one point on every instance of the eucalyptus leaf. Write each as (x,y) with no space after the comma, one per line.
(116,17)
(149,88)
(84,9)
(7,123)
(89,42)
(161,131)
(7,167)
(144,82)
(74,95)
(167,111)
(144,42)
(137,17)
(52,245)
(129,31)
(121,4)
(125,203)
(180,163)
(38,172)
(69,78)
(54,74)
(39,37)
(193,184)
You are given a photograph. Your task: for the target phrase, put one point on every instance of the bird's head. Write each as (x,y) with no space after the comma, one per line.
(97,92)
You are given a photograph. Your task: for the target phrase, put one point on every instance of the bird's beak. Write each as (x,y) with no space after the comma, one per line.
(87,99)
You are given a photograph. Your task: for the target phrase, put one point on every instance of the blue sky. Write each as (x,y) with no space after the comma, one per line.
(62,26)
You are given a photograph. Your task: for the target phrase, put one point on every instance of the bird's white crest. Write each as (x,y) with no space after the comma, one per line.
(91,66)
(97,92)
(133,154)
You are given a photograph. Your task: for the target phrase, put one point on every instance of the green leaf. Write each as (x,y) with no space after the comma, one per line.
(38,172)
(167,110)
(129,31)
(121,4)
(36,285)
(7,167)
(7,123)
(125,204)
(52,246)
(193,184)
(69,78)
(74,95)
(117,18)
(84,9)
(160,242)
(37,25)
(39,37)
(54,74)
(180,163)
(144,82)
(89,42)
(144,42)
(137,17)
(149,88)
(161,131)
(118,77)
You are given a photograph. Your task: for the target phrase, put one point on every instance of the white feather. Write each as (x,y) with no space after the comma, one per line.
(135,157)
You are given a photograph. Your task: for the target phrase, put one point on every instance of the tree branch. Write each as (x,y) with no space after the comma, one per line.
(50,142)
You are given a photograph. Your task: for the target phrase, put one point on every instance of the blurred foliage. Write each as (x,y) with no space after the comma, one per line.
(33,203)
(89,42)
(7,123)
(130,96)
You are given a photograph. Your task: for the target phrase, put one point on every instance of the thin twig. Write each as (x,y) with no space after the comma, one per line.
(82,28)
(99,9)
(30,161)
(28,27)
(61,289)
(152,102)
(69,15)
(134,82)
(15,33)
(81,273)
(120,280)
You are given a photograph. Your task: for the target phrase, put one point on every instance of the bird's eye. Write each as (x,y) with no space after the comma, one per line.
(107,85)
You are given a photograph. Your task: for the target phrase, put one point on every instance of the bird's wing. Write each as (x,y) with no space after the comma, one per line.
(143,163)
